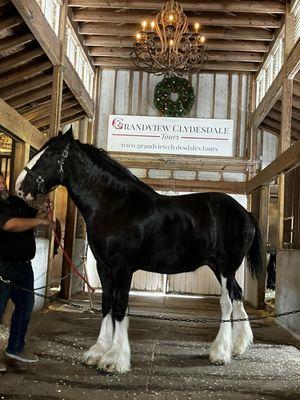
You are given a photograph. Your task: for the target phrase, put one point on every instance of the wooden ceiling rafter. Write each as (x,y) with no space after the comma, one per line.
(46,112)
(32,96)
(10,42)
(25,86)
(216,19)
(257,7)
(230,33)
(19,58)
(220,45)
(29,71)
(45,107)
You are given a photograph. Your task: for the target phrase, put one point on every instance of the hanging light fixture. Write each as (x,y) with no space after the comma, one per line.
(166,47)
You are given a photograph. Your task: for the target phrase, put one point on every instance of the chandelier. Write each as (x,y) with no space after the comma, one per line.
(166,47)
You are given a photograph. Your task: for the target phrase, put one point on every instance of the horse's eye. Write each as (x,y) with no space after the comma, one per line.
(48,154)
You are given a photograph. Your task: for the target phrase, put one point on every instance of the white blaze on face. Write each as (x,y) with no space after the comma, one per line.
(23,174)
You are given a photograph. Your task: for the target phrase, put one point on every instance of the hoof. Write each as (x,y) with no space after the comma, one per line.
(114,361)
(219,354)
(93,355)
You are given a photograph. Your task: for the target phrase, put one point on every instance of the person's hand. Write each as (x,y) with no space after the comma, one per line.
(44,211)
(45,207)
(43,220)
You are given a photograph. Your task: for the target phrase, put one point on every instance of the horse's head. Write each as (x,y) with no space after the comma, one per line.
(46,169)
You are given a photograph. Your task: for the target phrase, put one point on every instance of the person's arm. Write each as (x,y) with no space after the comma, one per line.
(24,224)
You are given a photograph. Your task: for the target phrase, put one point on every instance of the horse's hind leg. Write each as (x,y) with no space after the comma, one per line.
(104,341)
(220,352)
(117,358)
(242,335)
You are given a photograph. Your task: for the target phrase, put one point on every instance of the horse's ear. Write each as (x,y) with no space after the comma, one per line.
(69,133)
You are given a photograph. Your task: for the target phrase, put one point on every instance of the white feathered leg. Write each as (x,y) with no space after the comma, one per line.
(242,332)
(103,344)
(117,358)
(220,352)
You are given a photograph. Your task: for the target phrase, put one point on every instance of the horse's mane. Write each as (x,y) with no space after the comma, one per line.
(100,158)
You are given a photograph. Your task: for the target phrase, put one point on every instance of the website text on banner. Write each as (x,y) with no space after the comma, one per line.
(192,136)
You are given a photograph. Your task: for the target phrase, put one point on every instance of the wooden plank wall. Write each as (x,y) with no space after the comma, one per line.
(217,96)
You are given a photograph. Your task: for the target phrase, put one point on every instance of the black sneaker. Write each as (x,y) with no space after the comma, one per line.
(23,356)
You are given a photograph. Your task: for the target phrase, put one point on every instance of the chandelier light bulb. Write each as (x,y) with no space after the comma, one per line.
(152,25)
(171,42)
(202,39)
(171,18)
(144,24)
(138,36)
(197,26)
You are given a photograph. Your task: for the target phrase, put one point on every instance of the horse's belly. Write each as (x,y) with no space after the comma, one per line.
(171,268)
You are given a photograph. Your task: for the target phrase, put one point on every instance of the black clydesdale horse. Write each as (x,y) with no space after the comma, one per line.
(131,227)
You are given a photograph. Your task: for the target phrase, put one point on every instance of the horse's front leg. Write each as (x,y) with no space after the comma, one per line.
(104,341)
(117,358)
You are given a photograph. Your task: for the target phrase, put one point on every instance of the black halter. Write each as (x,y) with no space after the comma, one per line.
(40,180)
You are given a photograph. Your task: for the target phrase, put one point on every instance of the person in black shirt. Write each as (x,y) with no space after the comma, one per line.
(17,249)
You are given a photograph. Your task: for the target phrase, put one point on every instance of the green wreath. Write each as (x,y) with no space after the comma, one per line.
(184,102)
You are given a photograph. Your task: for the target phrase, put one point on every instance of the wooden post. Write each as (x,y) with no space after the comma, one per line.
(21,157)
(70,229)
(56,103)
(255,289)
(286,121)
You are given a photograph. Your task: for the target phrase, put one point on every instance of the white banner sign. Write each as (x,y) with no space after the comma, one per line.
(192,136)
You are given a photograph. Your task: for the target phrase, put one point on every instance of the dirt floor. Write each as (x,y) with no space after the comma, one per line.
(169,359)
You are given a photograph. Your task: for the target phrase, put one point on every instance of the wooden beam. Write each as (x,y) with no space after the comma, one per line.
(31,96)
(45,107)
(286,115)
(296,89)
(282,163)
(46,112)
(58,74)
(37,23)
(71,111)
(19,58)
(234,45)
(182,163)
(12,121)
(135,17)
(212,55)
(11,42)
(26,86)
(268,128)
(76,117)
(11,22)
(111,62)
(24,73)
(209,32)
(195,186)
(257,7)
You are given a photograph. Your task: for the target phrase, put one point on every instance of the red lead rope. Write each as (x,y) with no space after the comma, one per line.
(66,255)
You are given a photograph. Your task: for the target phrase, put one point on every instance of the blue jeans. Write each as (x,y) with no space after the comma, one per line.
(20,274)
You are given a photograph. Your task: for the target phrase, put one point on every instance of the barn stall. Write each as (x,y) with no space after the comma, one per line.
(71,62)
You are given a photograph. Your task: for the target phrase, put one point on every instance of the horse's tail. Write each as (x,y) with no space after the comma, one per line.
(254,256)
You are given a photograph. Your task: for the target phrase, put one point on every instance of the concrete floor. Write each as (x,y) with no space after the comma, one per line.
(169,359)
